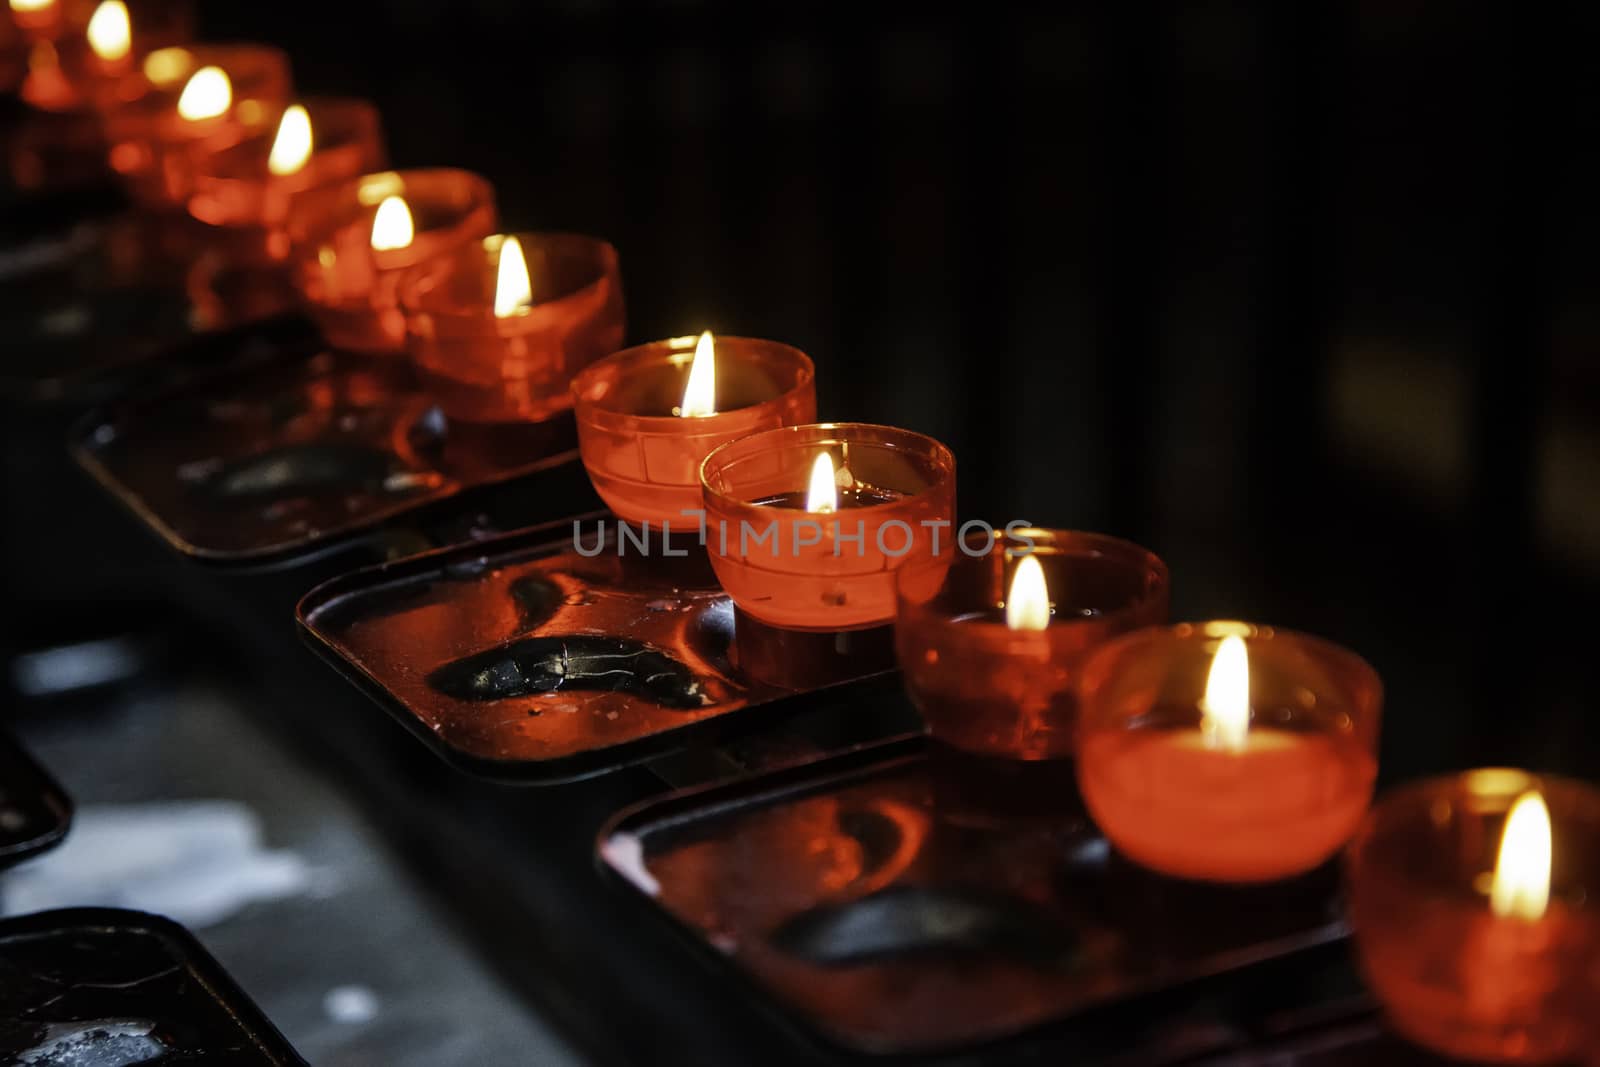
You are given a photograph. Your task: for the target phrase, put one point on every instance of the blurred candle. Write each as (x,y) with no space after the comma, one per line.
(184,105)
(351,244)
(497,328)
(1473,902)
(246,189)
(38,19)
(1261,774)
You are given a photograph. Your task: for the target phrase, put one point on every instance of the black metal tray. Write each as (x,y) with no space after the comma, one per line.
(103,985)
(842,893)
(35,813)
(633,653)
(266,444)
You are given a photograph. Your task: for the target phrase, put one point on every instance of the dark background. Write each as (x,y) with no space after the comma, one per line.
(1299,295)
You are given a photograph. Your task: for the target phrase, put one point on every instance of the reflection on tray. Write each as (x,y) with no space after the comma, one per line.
(844,890)
(286,444)
(521,658)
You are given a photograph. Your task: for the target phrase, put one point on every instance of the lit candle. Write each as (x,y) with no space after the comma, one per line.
(989,660)
(37,19)
(865,500)
(648,416)
(352,242)
(1261,774)
(499,327)
(184,105)
(246,189)
(1472,899)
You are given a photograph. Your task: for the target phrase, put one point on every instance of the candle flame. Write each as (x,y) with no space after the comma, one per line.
(1521,886)
(31,5)
(165,66)
(513,289)
(392,227)
(110,33)
(700,392)
(291,148)
(208,94)
(1028,599)
(822,497)
(1225,708)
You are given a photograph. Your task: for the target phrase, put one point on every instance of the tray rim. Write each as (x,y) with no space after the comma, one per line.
(189,377)
(55,796)
(225,990)
(855,761)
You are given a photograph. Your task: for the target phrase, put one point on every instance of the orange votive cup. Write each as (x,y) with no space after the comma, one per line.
(990,690)
(480,367)
(644,461)
(157,151)
(236,191)
(1453,975)
(1179,802)
(798,570)
(352,289)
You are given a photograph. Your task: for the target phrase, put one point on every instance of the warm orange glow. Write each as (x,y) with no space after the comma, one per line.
(168,66)
(208,94)
(292,146)
(700,391)
(513,289)
(110,33)
(1521,886)
(391,226)
(822,497)
(31,5)
(1028,599)
(1225,708)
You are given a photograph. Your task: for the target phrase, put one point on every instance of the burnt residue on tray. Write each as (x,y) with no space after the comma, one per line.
(565,663)
(100,986)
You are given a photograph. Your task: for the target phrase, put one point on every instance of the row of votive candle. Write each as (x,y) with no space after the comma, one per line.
(1222,752)
(293,195)
(1217,751)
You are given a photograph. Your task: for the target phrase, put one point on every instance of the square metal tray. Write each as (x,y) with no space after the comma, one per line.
(521,660)
(842,894)
(265,444)
(103,985)
(35,813)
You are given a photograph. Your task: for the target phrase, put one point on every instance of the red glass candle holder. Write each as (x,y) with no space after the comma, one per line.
(987,689)
(352,289)
(237,190)
(88,65)
(1255,804)
(795,569)
(155,149)
(644,460)
(1452,974)
(481,367)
